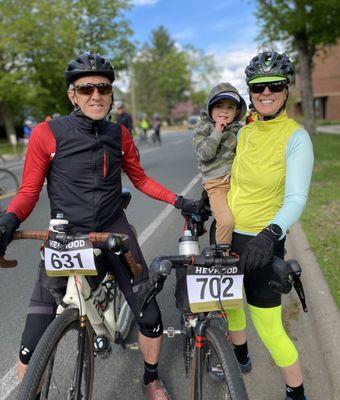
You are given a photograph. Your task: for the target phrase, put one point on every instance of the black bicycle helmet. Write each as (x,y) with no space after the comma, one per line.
(88,64)
(270,64)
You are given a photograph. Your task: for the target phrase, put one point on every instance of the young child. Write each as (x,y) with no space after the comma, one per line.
(215,143)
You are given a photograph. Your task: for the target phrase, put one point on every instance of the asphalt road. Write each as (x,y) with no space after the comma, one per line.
(159,227)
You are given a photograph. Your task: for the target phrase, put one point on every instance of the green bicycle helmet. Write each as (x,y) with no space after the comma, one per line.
(88,64)
(270,66)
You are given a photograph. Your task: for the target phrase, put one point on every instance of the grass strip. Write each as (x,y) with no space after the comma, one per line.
(321,218)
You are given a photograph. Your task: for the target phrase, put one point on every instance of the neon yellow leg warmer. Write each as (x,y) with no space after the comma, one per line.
(268,324)
(237,319)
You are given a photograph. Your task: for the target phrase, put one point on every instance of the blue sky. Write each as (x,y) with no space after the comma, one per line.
(225,29)
(217,24)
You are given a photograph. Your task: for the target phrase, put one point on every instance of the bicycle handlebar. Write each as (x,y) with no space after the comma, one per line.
(161,267)
(115,242)
(288,275)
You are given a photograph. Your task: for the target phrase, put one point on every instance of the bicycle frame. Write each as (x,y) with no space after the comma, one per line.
(80,295)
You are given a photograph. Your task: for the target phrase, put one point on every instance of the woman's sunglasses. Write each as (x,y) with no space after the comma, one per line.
(89,88)
(274,87)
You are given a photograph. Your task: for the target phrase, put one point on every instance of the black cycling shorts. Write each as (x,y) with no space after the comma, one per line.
(42,305)
(256,283)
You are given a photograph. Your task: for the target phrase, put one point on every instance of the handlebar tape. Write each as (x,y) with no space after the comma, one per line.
(121,242)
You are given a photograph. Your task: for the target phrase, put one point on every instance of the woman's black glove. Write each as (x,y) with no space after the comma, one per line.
(186,205)
(9,223)
(259,251)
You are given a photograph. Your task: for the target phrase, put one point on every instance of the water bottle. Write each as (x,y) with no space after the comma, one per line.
(58,220)
(187,245)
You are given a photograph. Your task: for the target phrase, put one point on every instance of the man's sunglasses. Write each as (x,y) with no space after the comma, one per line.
(274,87)
(89,88)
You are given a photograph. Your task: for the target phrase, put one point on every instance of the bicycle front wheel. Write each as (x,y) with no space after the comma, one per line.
(62,365)
(216,374)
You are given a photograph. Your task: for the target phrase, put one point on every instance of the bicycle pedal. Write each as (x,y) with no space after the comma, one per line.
(216,373)
(101,346)
(132,346)
(171,332)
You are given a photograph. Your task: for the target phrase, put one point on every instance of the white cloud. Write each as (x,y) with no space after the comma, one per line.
(231,65)
(144,2)
(186,34)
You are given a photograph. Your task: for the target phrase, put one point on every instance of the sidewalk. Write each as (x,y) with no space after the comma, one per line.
(331,129)
(323,311)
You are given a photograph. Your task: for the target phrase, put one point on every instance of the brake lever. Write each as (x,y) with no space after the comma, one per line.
(295,272)
(162,271)
(300,292)
(155,289)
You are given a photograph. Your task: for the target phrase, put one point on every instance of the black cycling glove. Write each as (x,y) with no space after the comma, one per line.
(259,251)
(8,225)
(186,205)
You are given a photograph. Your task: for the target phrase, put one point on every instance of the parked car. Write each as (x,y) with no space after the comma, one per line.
(192,121)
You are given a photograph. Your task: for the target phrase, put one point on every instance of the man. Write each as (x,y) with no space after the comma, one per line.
(82,155)
(123,117)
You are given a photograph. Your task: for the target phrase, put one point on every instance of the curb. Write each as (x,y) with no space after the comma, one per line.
(321,305)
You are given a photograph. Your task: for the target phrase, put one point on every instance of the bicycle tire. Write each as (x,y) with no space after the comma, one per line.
(8,182)
(216,354)
(44,364)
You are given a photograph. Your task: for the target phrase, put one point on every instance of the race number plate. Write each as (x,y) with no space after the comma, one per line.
(208,289)
(77,257)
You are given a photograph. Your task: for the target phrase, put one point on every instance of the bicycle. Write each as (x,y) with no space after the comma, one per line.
(9,185)
(89,303)
(83,310)
(208,284)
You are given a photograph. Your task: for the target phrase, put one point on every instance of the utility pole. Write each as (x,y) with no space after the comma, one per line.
(133,99)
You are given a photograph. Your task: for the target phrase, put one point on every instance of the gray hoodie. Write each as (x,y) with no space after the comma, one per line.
(215,150)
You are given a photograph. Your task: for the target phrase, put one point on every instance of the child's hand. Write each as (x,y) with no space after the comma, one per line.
(220,123)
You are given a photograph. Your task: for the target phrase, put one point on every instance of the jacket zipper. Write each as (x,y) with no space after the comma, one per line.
(95,176)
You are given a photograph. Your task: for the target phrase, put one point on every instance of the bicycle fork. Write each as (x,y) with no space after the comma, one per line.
(196,393)
(80,358)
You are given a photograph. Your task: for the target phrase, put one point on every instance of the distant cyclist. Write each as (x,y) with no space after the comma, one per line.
(156,126)
(27,130)
(144,125)
(123,118)
(82,155)
(270,179)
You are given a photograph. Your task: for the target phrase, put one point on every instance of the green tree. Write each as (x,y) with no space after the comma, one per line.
(39,37)
(162,75)
(166,74)
(204,74)
(306,26)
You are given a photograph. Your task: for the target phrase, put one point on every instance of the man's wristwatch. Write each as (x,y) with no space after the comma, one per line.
(275,230)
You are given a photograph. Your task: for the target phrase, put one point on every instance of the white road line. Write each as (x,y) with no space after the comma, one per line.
(164,214)
(9,382)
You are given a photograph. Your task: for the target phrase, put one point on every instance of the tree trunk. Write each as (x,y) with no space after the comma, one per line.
(306,85)
(6,116)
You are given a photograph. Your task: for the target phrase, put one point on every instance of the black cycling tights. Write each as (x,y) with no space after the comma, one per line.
(42,306)
(256,283)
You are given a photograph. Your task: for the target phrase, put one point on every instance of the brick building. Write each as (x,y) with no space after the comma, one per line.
(326,86)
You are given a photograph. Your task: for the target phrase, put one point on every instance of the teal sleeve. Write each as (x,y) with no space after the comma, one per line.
(299,166)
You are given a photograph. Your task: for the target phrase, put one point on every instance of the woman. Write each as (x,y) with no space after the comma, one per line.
(270,180)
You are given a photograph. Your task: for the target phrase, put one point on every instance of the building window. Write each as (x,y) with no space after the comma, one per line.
(320,106)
